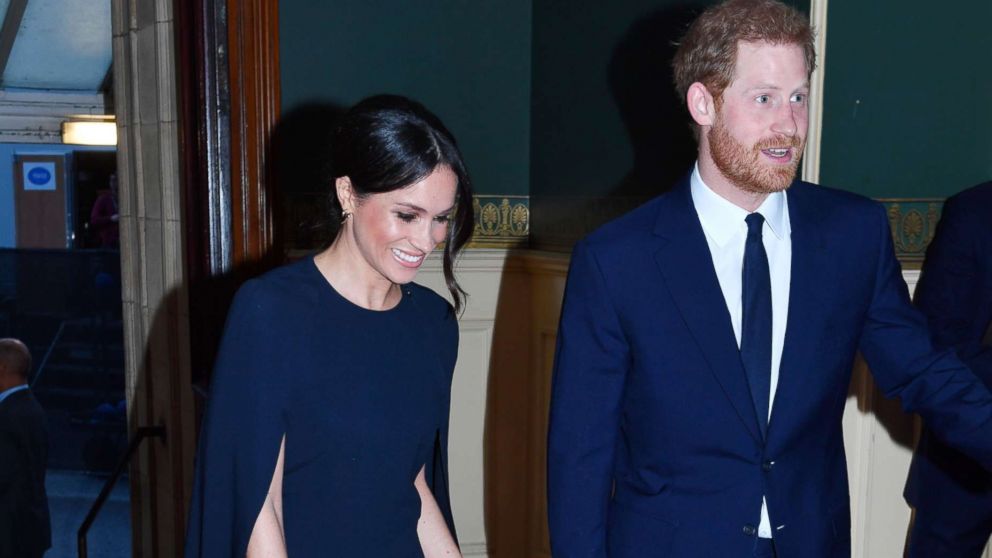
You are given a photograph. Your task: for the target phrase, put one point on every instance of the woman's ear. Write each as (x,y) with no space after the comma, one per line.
(701,105)
(346,194)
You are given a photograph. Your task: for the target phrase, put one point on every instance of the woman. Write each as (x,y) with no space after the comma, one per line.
(326,429)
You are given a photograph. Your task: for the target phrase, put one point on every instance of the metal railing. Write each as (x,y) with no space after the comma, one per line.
(139,436)
(48,353)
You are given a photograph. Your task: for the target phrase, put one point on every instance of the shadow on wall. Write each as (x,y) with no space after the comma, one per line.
(517,401)
(902,429)
(657,124)
(302,172)
(657,127)
(300,157)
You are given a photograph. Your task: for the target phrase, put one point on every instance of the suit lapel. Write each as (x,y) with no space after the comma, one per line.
(687,267)
(799,345)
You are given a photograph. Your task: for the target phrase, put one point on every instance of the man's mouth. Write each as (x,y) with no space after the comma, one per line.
(777,152)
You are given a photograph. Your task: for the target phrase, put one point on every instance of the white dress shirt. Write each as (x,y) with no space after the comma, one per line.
(726,232)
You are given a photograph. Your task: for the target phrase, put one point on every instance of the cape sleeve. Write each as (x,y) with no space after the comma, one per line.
(437,473)
(242,428)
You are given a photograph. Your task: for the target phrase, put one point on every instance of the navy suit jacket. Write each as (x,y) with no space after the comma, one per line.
(955,294)
(654,445)
(25,528)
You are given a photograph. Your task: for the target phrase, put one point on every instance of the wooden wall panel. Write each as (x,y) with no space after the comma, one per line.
(229,94)
(253,39)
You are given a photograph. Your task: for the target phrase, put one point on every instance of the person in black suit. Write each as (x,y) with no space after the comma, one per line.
(952,493)
(25,527)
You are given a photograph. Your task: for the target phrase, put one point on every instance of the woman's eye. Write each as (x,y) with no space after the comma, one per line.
(443,219)
(762,99)
(406,217)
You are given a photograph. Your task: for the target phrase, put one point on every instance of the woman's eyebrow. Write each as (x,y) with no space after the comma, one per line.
(419,209)
(412,207)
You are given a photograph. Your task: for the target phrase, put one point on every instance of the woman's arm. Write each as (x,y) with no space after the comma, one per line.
(435,539)
(268,540)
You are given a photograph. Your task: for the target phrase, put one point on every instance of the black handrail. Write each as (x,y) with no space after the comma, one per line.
(139,435)
(48,353)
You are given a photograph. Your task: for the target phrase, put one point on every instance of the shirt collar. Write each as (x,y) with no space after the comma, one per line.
(722,220)
(7,393)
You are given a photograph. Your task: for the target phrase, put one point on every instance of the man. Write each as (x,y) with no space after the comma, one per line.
(951,493)
(707,338)
(25,530)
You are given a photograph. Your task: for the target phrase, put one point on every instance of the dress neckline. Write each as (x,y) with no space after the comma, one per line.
(405,293)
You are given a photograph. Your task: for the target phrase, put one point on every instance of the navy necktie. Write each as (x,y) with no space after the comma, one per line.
(756,323)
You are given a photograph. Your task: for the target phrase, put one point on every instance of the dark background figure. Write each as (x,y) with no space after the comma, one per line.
(952,493)
(25,527)
(104,216)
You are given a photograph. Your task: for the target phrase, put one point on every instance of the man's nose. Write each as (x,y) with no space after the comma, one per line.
(786,121)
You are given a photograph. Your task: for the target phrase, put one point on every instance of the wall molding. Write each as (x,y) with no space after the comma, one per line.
(501,221)
(811,160)
(37,116)
(474,549)
(913,222)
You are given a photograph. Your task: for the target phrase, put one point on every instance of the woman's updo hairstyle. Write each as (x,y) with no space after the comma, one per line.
(389,142)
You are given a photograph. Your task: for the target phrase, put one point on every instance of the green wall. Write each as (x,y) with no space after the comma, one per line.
(569,102)
(908,97)
(469,62)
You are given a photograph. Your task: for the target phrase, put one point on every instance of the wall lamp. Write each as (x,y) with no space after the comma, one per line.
(90,130)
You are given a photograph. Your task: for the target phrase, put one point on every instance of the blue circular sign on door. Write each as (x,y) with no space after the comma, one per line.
(39,176)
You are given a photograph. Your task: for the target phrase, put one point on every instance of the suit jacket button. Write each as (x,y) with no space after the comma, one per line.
(767,466)
(750,530)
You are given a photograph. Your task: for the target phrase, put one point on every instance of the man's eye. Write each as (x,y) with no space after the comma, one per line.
(799,98)
(406,217)
(762,99)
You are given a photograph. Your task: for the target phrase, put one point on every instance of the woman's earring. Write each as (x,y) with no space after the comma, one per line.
(344,216)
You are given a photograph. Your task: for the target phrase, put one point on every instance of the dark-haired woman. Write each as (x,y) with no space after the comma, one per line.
(326,429)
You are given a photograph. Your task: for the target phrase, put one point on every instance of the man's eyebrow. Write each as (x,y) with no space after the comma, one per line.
(770,87)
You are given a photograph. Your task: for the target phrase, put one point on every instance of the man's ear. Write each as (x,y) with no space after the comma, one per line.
(346,193)
(701,105)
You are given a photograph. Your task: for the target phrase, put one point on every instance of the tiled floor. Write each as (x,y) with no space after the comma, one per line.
(70,495)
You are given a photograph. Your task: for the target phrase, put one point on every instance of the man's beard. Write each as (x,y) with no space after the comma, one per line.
(742,165)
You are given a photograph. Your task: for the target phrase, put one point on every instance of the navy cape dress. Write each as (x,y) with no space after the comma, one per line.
(362,398)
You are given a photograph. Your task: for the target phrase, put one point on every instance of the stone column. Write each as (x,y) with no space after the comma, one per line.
(156,321)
